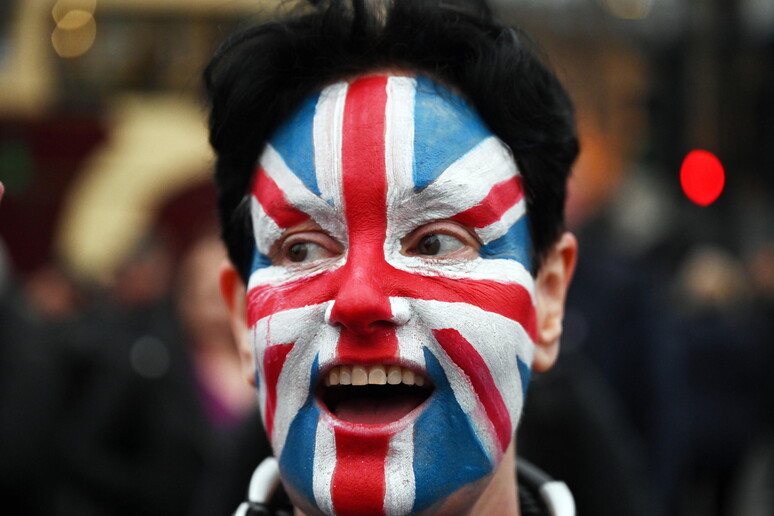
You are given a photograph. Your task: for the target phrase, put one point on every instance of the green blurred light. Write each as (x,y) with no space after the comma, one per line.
(16,167)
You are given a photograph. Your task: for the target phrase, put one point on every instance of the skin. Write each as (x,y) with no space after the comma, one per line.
(356,303)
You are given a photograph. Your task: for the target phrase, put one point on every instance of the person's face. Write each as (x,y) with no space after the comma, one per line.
(390,304)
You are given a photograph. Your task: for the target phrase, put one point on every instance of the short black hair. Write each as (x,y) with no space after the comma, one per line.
(259,76)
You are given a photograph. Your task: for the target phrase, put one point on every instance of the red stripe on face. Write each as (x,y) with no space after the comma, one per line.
(274,202)
(364,180)
(273,362)
(510,300)
(469,360)
(361,306)
(377,346)
(358,484)
(500,199)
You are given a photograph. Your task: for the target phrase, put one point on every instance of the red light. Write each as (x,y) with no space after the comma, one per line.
(702,177)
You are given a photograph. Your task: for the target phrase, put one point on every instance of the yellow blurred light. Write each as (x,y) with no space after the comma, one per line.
(63,7)
(74,34)
(75,19)
(628,9)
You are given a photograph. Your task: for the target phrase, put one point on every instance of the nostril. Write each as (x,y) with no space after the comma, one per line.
(361,318)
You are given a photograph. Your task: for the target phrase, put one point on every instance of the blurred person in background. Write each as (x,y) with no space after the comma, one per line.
(204,318)
(120,407)
(29,397)
(156,396)
(614,324)
(660,312)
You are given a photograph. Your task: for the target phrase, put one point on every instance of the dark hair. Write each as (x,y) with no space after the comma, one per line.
(259,77)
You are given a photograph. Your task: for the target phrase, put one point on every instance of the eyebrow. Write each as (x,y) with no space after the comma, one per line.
(272,200)
(501,198)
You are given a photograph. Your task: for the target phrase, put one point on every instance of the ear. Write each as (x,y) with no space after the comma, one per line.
(551,286)
(234,294)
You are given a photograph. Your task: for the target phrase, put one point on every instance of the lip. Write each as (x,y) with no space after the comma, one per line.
(371,428)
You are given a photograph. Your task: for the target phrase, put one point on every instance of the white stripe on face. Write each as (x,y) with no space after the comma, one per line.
(328,121)
(324,466)
(399,479)
(305,328)
(265,226)
(330,218)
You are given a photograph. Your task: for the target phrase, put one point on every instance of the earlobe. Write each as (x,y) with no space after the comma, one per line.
(233,290)
(551,285)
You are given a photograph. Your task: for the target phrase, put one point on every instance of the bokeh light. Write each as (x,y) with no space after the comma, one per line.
(702,177)
(76,28)
(62,7)
(628,9)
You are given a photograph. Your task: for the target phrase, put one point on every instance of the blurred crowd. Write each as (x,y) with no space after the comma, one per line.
(114,400)
(123,393)
(129,397)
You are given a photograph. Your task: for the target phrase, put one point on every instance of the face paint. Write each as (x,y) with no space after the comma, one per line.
(391,248)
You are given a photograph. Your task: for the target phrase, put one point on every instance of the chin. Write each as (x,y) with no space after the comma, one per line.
(388,438)
(461,502)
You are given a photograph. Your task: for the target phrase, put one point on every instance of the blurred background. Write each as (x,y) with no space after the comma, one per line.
(120,387)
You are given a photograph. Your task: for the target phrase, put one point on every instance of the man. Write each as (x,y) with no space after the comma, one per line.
(391,181)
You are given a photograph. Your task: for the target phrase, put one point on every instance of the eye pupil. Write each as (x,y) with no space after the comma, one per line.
(430,245)
(297,252)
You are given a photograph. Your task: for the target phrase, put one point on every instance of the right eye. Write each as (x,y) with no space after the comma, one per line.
(306,247)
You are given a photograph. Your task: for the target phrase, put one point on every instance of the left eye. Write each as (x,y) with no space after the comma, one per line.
(306,251)
(441,239)
(438,244)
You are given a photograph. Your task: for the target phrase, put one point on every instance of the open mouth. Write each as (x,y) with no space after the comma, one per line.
(377,394)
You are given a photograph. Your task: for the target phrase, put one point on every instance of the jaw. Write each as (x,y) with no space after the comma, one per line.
(371,441)
(496,493)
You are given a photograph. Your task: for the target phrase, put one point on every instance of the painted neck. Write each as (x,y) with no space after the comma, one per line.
(500,496)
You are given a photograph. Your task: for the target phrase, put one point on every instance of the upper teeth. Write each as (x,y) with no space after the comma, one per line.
(373,375)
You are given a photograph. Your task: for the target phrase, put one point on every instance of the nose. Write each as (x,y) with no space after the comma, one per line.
(361,303)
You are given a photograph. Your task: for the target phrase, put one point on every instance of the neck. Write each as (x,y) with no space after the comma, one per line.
(501,495)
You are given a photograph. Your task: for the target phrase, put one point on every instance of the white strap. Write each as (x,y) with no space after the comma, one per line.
(264,481)
(242,509)
(558,498)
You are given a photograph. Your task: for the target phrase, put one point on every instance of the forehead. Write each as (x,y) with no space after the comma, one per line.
(431,123)
(405,148)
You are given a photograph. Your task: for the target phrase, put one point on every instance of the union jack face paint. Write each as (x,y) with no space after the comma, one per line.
(391,250)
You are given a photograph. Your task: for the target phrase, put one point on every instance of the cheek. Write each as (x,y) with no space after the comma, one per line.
(490,291)
(278,292)
(288,347)
(483,355)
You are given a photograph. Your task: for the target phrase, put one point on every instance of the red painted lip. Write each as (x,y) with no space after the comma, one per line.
(392,427)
